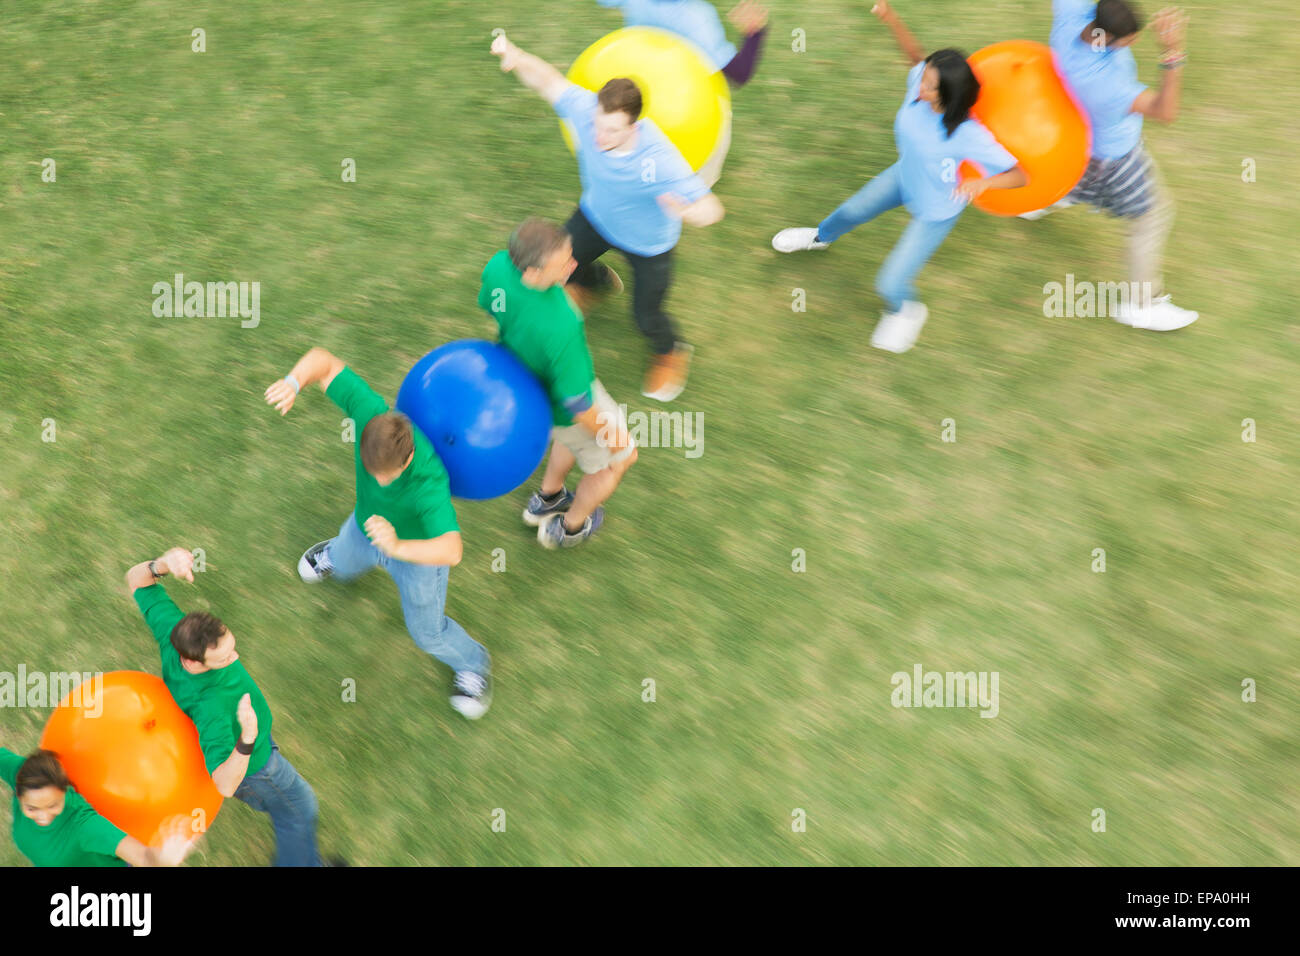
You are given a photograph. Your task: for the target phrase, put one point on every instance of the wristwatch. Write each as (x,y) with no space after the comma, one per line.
(153,570)
(243,748)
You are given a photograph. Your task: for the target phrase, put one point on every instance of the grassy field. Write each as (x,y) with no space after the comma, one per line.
(1119,690)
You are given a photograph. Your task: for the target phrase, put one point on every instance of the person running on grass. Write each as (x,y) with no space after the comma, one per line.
(523,290)
(1092,44)
(208,681)
(54,825)
(403,522)
(697,21)
(637,190)
(934,133)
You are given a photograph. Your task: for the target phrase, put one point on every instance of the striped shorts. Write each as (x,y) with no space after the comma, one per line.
(1125,187)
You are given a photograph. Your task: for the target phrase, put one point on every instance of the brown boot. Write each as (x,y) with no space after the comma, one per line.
(667,375)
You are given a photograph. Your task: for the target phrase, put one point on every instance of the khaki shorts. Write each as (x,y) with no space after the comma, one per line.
(589,449)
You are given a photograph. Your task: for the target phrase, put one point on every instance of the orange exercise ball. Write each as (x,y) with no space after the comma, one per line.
(134,755)
(1029,110)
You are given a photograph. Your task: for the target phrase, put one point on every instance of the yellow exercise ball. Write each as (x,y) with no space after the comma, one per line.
(680,90)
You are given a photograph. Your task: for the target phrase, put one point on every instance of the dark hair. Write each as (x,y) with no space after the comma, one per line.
(42,769)
(535,241)
(958,88)
(195,633)
(386,442)
(621,94)
(1117,18)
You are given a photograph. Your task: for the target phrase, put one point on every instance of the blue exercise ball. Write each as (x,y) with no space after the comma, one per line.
(485,413)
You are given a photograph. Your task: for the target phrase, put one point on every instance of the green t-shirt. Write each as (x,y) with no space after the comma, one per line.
(210,699)
(418,503)
(543,329)
(76,837)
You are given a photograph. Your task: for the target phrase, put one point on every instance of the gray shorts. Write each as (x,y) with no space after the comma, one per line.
(1126,187)
(591,450)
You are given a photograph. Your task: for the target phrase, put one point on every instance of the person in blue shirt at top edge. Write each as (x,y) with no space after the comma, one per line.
(1091,42)
(698,21)
(934,134)
(622,207)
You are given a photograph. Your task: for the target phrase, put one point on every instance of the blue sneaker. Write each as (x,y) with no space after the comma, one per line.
(552,534)
(538,510)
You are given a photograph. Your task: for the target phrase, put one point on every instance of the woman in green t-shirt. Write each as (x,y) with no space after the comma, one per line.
(55,826)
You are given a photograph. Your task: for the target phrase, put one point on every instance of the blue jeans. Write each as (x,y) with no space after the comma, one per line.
(915,247)
(423,590)
(281,791)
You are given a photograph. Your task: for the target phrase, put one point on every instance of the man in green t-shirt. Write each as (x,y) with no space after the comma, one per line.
(54,825)
(403,522)
(523,290)
(210,684)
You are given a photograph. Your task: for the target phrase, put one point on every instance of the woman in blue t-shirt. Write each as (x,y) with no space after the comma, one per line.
(934,134)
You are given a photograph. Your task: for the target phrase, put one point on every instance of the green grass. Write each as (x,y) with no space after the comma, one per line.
(1118,690)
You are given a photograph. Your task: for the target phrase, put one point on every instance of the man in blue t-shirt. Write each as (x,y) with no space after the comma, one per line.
(1092,44)
(637,190)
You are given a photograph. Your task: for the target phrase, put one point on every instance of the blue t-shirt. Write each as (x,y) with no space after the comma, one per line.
(928,158)
(619,192)
(696,20)
(1105,81)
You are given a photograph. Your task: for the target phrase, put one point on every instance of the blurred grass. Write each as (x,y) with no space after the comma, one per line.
(1118,690)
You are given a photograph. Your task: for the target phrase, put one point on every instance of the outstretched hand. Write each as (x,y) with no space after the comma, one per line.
(508,52)
(882,10)
(748,17)
(281,394)
(179,563)
(1171,28)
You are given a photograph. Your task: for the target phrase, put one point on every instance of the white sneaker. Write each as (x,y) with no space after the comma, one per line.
(897,331)
(797,239)
(1048,210)
(1160,316)
(473,694)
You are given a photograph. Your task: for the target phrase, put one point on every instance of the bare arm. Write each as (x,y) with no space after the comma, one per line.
(1171,30)
(176,561)
(705,211)
(906,42)
(446,549)
(317,365)
(230,774)
(534,72)
(173,850)
(1013,178)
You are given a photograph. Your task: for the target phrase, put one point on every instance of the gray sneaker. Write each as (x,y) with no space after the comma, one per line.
(315,565)
(538,510)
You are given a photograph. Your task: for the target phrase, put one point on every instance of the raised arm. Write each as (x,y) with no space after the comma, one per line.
(1171,32)
(230,774)
(317,365)
(906,42)
(176,561)
(534,72)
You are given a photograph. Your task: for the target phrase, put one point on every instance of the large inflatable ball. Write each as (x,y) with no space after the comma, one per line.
(134,755)
(1029,109)
(486,414)
(680,90)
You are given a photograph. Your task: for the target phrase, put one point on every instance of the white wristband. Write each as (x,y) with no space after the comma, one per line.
(294,382)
